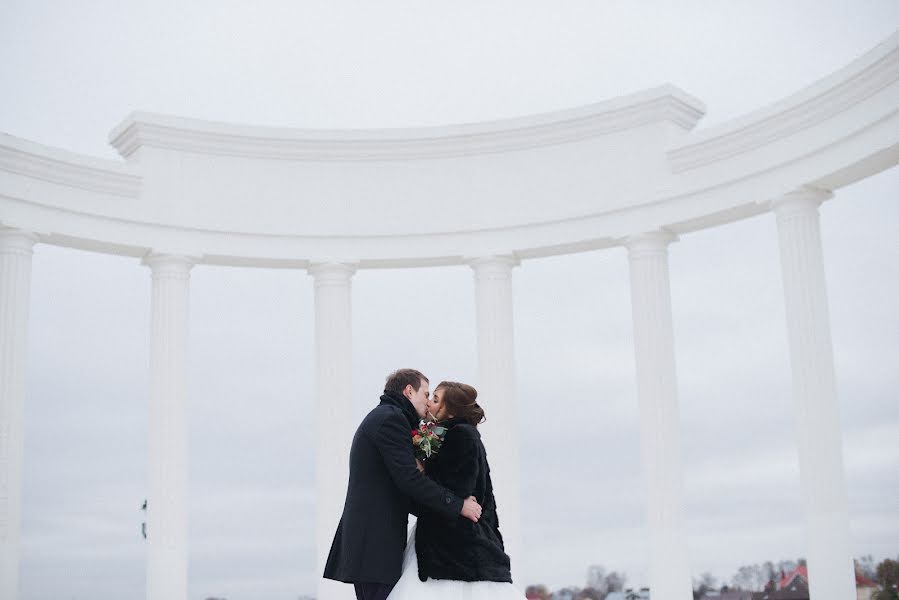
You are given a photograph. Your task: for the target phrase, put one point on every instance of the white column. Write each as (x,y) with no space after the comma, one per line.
(659,417)
(15,283)
(831,570)
(167,493)
(496,393)
(334,397)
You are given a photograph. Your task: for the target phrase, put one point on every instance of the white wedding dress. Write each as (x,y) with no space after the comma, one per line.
(410,587)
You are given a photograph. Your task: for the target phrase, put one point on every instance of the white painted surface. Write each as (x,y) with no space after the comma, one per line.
(496,393)
(820,443)
(334,396)
(546,184)
(15,284)
(660,443)
(167,493)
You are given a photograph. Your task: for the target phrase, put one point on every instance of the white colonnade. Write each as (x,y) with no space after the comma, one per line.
(660,444)
(334,396)
(168,443)
(824,501)
(15,285)
(496,391)
(824,497)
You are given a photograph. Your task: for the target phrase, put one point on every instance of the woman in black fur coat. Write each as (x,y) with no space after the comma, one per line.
(454,558)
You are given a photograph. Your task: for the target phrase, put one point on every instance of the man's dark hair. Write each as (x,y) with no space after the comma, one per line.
(399,379)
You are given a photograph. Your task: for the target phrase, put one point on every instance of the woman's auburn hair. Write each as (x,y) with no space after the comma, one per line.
(460,400)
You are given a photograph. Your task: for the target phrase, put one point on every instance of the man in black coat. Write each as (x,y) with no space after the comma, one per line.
(384,480)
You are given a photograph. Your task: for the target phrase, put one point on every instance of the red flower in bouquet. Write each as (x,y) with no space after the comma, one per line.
(427,439)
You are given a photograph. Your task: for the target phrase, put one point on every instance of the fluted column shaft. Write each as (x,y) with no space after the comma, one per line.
(659,417)
(496,392)
(334,396)
(167,493)
(16,247)
(824,497)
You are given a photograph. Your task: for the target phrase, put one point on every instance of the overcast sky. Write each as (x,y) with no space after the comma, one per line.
(70,71)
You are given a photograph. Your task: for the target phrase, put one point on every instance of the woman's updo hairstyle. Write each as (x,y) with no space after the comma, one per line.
(460,400)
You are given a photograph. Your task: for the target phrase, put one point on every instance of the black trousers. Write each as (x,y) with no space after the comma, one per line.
(373,591)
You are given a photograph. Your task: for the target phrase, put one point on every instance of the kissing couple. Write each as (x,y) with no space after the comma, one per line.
(455,549)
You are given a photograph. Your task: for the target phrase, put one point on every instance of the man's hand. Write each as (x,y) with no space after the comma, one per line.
(420,465)
(471,510)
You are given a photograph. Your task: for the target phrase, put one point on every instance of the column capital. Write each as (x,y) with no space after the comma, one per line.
(327,272)
(493,263)
(17,240)
(649,242)
(803,201)
(169,265)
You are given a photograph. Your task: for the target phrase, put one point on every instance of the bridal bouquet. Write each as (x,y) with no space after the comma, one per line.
(427,439)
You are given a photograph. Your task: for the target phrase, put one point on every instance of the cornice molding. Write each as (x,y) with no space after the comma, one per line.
(34,160)
(30,159)
(664,103)
(861,79)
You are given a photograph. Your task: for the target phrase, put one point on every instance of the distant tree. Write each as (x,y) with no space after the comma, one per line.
(888,578)
(785,566)
(706,583)
(885,571)
(590,593)
(865,566)
(615,582)
(605,582)
(750,578)
(771,573)
(596,575)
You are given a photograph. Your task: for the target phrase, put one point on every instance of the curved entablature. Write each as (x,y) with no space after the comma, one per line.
(68,169)
(665,103)
(562,182)
(815,105)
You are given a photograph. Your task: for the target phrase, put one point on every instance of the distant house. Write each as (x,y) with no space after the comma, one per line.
(864,587)
(794,580)
(791,586)
(794,586)
(642,594)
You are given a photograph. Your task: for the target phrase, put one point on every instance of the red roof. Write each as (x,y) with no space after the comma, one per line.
(860,580)
(789,577)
